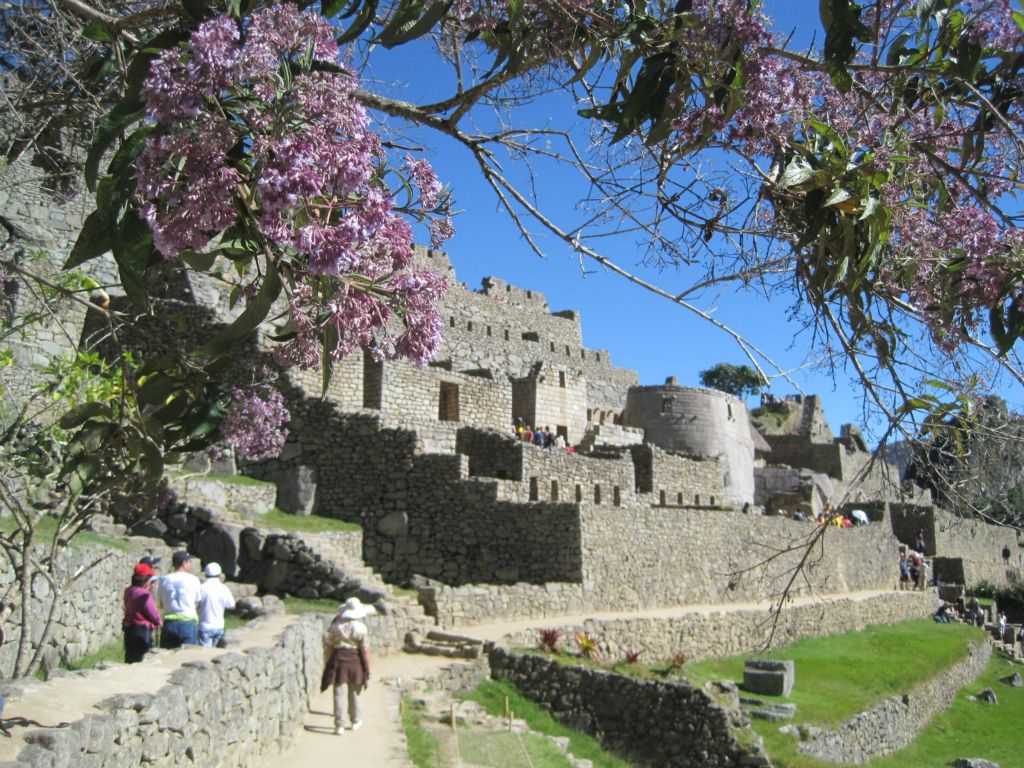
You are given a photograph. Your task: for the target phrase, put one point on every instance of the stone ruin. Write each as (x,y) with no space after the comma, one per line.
(658,505)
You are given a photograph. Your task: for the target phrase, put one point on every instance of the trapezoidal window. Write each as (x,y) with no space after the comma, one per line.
(373,381)
(597,494)
(448,402)
(554,490)
(534,495)
(616,496)
(561,379)
(666,404)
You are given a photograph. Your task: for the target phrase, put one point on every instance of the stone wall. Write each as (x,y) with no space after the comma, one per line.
(678,480)
(703,635)
(897,721)
(91,613)
(648,722)
(237,709)
(644,556)
(411,393)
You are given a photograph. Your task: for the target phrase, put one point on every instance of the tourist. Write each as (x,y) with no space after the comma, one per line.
(560,441)
(1006,555)
(179,598)
(941,615)
(141,618)
(920,543)
(1002,626)
(347,662)
(151,561)
(528,433)
(538,437)
(904,571)
(214,599)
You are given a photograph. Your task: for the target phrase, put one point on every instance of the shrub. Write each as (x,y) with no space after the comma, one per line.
(587,646)
(632,657)
(548,640)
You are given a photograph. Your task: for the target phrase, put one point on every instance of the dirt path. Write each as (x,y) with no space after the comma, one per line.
(380,743)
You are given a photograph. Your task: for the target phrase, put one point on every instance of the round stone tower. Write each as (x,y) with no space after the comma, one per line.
(702,422)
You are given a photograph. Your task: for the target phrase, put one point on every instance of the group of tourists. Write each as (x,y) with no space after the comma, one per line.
(543,438)
(913,571)
(177,606)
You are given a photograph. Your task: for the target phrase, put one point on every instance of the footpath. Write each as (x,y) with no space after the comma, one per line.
(380,743)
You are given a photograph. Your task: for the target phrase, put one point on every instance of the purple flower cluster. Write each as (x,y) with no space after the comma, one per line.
(254,424)
(248,126)
(959,261)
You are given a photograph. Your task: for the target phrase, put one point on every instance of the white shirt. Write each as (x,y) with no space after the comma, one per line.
(214,599)
(179,593)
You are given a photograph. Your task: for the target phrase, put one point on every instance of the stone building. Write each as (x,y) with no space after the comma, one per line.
(650,509)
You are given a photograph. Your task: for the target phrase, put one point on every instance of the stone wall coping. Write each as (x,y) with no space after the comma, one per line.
(79,695)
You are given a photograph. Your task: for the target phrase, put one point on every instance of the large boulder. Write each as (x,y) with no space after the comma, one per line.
(297,490)
(220,543)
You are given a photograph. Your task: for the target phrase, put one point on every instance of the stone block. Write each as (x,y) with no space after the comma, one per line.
(769,677)
(297,490)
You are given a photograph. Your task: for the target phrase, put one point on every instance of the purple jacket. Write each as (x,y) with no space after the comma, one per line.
(140,608)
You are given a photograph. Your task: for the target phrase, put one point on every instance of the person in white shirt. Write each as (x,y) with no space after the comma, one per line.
(179,595)
(214,599)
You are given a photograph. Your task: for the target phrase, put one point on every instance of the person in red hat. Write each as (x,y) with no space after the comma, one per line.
(141,618)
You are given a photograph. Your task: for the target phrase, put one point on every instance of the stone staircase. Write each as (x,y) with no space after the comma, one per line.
(228,498)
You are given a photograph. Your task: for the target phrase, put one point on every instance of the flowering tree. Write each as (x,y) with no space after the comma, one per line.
(870,181)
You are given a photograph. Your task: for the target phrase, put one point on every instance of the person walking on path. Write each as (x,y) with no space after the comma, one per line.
(347,662)
(214,599)
(141,618)
(179,597)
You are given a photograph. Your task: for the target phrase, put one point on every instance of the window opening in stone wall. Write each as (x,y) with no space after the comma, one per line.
(568,351)
(598,357)
(728,409)
(579,492)
(448,402)
(529,294)
(506,334)
(531,336)
(554,490)
(597,494)
(552,344)
(711,501)
(533,489)
(583,354)
(373,381)
(561,379)
(696,499)
(590,414)
(666,404)
(451,321)
(616,496)
(602,416)
(488,330)
(679,499)
(661,498)
(469,326)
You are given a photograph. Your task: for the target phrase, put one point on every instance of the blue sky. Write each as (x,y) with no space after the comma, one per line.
(640,330)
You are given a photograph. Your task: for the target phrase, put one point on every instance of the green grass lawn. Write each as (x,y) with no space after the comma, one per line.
(304,605)
(286,521)
(491,694)
(47,527)
(841,675)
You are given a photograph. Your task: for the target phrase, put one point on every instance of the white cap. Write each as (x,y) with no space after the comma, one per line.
(212,570)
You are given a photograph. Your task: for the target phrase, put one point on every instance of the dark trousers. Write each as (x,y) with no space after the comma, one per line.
(138,639)
(177,633)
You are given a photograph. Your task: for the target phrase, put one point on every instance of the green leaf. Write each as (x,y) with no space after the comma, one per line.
(78,416)
(841,20)
(796,173)
(414,28)
(199,261)
(94,30)
(124,114)
(122,165)
(1018,17)
(360,23)
(93,241)
(132,246)
(838,196)
(156,389)
(253,314)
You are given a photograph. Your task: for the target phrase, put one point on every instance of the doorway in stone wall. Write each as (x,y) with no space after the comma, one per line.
(448,402)
(561,429)
(373,381)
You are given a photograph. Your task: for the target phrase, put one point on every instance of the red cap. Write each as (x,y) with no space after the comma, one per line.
(143,570)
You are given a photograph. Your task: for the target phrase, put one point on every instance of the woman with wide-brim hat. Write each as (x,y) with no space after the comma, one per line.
(347,662)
